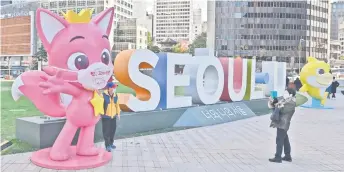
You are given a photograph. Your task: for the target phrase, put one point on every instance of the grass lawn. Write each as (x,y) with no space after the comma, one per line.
(10,110)
(6,84)
(18,147)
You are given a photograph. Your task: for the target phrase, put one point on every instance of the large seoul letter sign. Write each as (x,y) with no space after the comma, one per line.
(205,79)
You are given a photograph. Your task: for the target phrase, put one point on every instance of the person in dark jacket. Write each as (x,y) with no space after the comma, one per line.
(111,112)
(287,83)
(328,90)
(298,84)
(334,86)
(281,117)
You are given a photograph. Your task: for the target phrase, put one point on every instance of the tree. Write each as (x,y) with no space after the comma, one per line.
(40,56)
(199,42)
(150,45)
(149,40)
(341,57)
(178,48)
(155,49)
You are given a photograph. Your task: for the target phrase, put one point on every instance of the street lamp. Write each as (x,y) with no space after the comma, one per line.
(300,48)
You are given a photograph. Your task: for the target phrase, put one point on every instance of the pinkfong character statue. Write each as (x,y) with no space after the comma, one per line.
(79,64)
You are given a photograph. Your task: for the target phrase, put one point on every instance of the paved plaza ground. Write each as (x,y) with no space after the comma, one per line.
(317,139)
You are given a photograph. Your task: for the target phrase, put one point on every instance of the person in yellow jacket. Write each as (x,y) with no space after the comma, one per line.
(112,111)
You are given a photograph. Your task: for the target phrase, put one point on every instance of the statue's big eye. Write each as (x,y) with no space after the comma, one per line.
(321,71)
(105,56)
(78,61)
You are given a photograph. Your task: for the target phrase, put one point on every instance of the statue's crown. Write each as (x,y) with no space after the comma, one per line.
(84,16)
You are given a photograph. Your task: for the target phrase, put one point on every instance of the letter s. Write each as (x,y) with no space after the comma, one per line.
(126,70)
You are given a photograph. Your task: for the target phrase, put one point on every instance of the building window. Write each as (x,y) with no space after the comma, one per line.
(45,5)
(71,3)
(237,15)
(81,3)
(53,4)
(62,4)
(91,2)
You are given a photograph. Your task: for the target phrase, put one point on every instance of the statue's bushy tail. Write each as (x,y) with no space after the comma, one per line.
(26,85)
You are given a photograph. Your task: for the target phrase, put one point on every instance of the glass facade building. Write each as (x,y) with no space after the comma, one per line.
(337,17)
(129,34)
(269,30)
(5,2)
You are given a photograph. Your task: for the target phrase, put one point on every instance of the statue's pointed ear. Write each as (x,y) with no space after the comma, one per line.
(48,26)
(104,20)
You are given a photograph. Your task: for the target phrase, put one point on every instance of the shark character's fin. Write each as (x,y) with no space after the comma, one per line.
(304,88)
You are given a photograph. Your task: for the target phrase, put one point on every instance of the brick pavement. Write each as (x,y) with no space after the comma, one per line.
(316,139)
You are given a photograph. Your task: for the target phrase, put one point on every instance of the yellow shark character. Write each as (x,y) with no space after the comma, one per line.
(315,77)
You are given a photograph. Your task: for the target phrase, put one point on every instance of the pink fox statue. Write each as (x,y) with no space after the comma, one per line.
(79,64)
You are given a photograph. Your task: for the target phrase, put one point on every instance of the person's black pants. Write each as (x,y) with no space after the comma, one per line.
(109,130)
(282,140)
(333,95)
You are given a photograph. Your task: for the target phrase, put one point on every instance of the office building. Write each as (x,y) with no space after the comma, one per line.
(22,8)
(147,21)
(173,20)
(269,29)
(204,27)
(336,49)
(144,17)
(149,24)
(123,11)
(129,35)
(197,22)
(337,17)
(19,16)
(5,2)
(341,37)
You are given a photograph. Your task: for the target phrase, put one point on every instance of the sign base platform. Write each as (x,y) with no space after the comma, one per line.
(316,104)
(75,162)
(214,114)
(42,133)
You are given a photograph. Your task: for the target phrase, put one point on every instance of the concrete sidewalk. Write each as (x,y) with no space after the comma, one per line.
(317,140)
